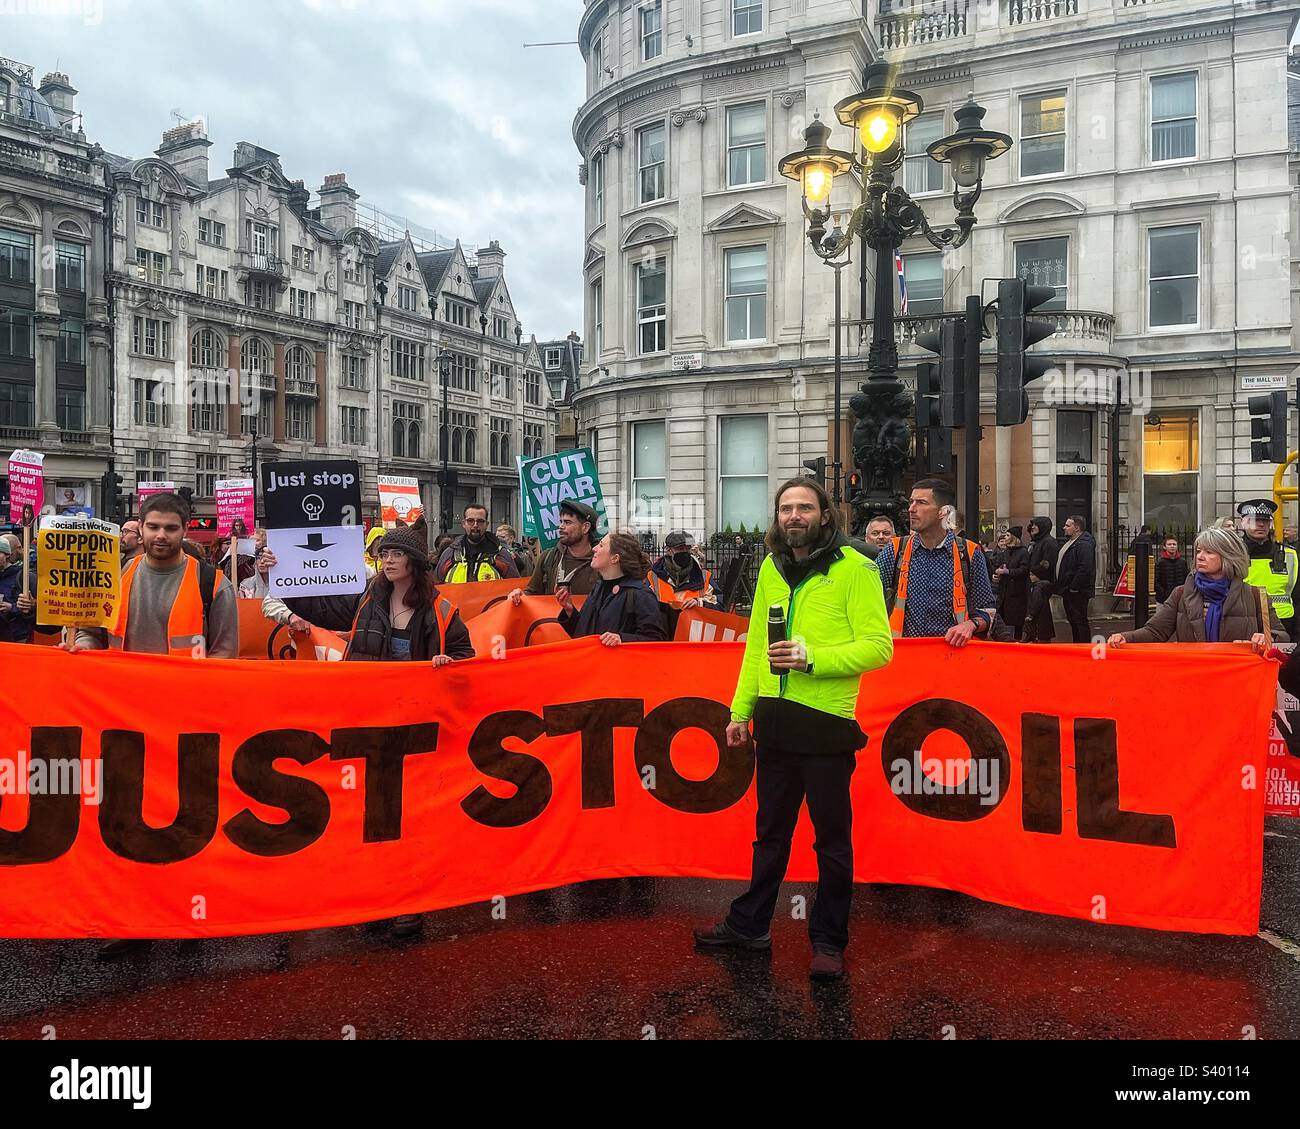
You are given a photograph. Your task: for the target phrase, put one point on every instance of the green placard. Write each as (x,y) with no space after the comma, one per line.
(567,476)
(528,518)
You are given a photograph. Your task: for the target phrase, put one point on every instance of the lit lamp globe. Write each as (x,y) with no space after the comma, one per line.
(971,147)
(880,111)
(816,165)
(878,131)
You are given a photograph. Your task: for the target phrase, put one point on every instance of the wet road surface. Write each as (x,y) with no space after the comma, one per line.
(614,959)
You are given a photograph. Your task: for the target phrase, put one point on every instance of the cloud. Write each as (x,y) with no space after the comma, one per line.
(432,107)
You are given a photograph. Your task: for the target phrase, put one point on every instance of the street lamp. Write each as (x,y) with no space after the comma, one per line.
(444,359)
(884,216)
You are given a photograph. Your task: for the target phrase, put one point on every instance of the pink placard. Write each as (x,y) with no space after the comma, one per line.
(26,484)
(234,499)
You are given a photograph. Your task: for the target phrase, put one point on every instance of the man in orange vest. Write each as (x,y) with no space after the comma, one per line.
(678,579)
(940,582)
(171,603)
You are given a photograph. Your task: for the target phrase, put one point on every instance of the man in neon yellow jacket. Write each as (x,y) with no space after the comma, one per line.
(806,734)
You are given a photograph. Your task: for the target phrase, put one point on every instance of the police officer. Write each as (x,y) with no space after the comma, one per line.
(1273,567)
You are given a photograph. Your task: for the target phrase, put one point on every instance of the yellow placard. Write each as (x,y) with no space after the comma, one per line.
(79,572)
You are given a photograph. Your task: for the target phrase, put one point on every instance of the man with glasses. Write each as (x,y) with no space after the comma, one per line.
(477,555)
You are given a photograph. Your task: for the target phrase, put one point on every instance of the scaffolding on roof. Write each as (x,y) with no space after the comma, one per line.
(388,227)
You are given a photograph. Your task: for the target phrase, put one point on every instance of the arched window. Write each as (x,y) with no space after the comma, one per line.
(413,444)
(299,365)
(255,356)
(399,439)
(470,444)
(4,95)
(505,451)
(493,449)
(456,435)
(205,347)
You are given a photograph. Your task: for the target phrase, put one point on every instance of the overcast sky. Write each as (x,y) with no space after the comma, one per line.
(432,107)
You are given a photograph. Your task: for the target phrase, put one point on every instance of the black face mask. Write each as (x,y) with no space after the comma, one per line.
(682,558)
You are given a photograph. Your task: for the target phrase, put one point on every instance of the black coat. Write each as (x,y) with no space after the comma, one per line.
(1078,571)
(626,607)
(1170,574)
(373,631)
(1043,551)
(1013,589)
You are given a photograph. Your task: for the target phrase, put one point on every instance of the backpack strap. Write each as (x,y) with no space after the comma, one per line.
(209,575)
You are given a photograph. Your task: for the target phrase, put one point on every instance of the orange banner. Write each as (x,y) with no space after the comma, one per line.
(699,625)
(347,793)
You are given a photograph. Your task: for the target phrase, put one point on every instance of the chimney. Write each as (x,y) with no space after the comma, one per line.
(298,197)
(185,148)
(491,261)
(60,94)
(338,203)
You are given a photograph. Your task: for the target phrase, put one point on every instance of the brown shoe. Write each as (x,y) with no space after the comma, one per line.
(826,965)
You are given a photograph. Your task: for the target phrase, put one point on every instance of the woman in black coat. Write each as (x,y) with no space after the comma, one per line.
(621,608)
(1013,587)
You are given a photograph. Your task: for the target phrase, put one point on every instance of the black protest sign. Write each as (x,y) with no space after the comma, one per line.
(324,494)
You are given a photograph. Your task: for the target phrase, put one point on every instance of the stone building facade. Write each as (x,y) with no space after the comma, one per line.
(1148,184)
(55,330)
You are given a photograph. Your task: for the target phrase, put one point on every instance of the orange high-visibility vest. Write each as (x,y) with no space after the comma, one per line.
(185,627)
(444,611)
(665,593)
(901,564)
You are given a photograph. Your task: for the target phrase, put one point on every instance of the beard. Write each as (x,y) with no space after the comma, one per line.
(800,537)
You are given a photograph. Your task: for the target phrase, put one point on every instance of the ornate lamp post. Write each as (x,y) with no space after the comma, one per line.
(884,216)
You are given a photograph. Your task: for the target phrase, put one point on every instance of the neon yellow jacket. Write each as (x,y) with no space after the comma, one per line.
(838,611)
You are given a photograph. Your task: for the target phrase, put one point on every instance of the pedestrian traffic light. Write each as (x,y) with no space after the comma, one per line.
(948,342)
(1268,428)
(934,441)
(817,470)
(853,484)
(110,496)
(1016,333)
(186,494)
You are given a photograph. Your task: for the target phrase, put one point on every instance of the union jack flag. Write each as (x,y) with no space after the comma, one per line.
(902,283)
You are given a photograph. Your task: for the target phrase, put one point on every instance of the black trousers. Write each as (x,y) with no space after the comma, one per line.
(1076,611)
(785,780)
(1038,618)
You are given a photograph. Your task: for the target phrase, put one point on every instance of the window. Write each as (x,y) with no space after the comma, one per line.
(464,437)
(650,163)
(1042,134)
(921,172)
(210,231)
(211,282)
(534,434)
(499,442)
(457,313)
(354,314)
(260,241)
(154,264)
(408,359)
(746,297)
(15,256)
(149,212)
(1043,262)
(746,17)
(255,357)
(464,373)
(70,408)
(407,425)
(1173,117)
(1074,437)
(652,307)
(533,389)
(743,497)
(208,404)
(71,346)
(598,188)
(502,381)
(17,404)
(304,258)
(266,415)
(353,270)
(598,316)
(649,472)
(69,266)
(260,294)
(209,470)
(354,372)
(553,358)
(746,144)
(302,303)
(1173,270)
(300,420)
(923,275)
(352,426)
(149,406)
(501,328)
(205,348)
(15,334)
(151,337)
(150,466)
(1171,460)
(598,58)
(408,299)
(298,365)
(652,31)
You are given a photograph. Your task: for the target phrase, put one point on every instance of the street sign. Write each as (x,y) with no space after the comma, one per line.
(687,362)
(1257,383)
(313,521)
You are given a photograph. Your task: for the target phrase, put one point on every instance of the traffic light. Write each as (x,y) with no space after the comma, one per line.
(110,496)
(1016,333)
(817,470)
(186,494)
(853,485)
(933,439)
(948,342)
(1268,428)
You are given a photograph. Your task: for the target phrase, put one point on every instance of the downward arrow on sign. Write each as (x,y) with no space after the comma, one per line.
(316,544)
